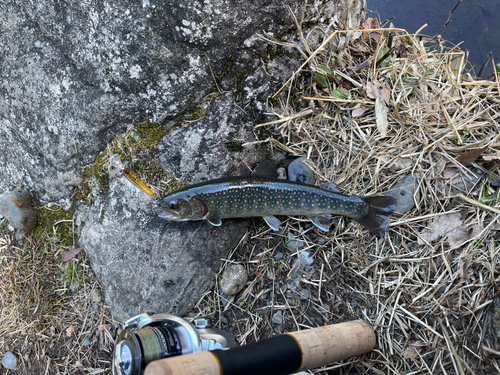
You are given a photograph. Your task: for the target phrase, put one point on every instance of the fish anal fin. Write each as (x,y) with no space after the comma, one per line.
(273,222)
(215,220)
(380,209)
(266,169)
(330,186)
(322,222)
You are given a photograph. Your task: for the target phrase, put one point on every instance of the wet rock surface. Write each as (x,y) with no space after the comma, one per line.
(15,206)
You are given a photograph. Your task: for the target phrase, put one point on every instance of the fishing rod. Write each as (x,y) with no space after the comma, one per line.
(165,344)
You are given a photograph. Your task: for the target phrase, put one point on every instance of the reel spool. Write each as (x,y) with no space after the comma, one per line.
(147,338)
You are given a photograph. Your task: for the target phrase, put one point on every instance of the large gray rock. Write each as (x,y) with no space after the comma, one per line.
(74,74)
(211,147)
(146,264)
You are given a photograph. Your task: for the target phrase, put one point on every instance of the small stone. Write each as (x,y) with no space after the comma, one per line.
(95,296)
(74,287)
(321,241)
(442,289)
(354,304)
(403,191)
(281,173)
(278,255)
(224,320)
(15,206)
(9,361)
(292,244)
(305,295)
(298,172)
(86,342)
(234,279)
(277,318)
(96,307)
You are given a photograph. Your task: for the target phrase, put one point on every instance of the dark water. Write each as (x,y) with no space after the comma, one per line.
(475,22)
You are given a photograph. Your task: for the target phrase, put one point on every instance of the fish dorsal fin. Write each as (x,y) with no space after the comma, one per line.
(331,187)
(273,222)
(265,169)
(214,220)
(322,222)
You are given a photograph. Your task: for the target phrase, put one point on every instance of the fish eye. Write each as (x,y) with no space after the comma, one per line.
(174,205)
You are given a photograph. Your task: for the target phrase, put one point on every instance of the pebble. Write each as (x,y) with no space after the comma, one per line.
(354,304)
(292,244)
(224,320)
(234,279)
(281,173)
(9,361)
(74,287)
(298,172)
(15,206)
(305,295)
(403,191)
(278,255)
(86,342)
(95,296)
(321,241)
(277,318)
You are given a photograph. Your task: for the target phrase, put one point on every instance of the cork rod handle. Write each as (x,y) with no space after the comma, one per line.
(285,354)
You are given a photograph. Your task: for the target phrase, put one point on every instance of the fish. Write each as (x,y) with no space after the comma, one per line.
(262,194)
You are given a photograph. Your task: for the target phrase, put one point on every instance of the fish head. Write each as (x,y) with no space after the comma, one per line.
(182,209)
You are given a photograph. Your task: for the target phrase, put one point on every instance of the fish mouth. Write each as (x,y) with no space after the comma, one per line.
(168,216)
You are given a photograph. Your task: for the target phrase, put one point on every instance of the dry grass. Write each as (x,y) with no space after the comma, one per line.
(49,328)
(430,303)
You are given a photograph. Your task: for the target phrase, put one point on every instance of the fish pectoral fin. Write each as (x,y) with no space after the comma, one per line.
(214,220)
(265,169)
(273,222)
(322,222)
(331,187)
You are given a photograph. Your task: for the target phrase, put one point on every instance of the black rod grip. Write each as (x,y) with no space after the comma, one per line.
(278,355)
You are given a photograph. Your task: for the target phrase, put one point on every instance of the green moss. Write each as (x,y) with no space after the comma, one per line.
(198,113)
(235,146)
(143,136)
(55,226)
(153,174)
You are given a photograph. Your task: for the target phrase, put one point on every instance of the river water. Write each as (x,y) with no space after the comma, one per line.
(476,23)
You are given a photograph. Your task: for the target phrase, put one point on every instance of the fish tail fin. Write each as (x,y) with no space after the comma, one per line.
(380,209)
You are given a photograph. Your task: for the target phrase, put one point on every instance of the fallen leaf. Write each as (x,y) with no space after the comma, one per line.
(496,226)
(452,175)
(103,327)
(491,157)
(469,157)
(68,255)
(370,90)
(370,23)
(381,116)
(449,226)
(70,330)
(413,350)
(358,110)
(476,231)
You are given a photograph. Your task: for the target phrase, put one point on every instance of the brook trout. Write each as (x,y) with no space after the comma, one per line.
(262,194)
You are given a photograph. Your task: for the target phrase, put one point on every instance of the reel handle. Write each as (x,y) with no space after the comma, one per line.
(284,354)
